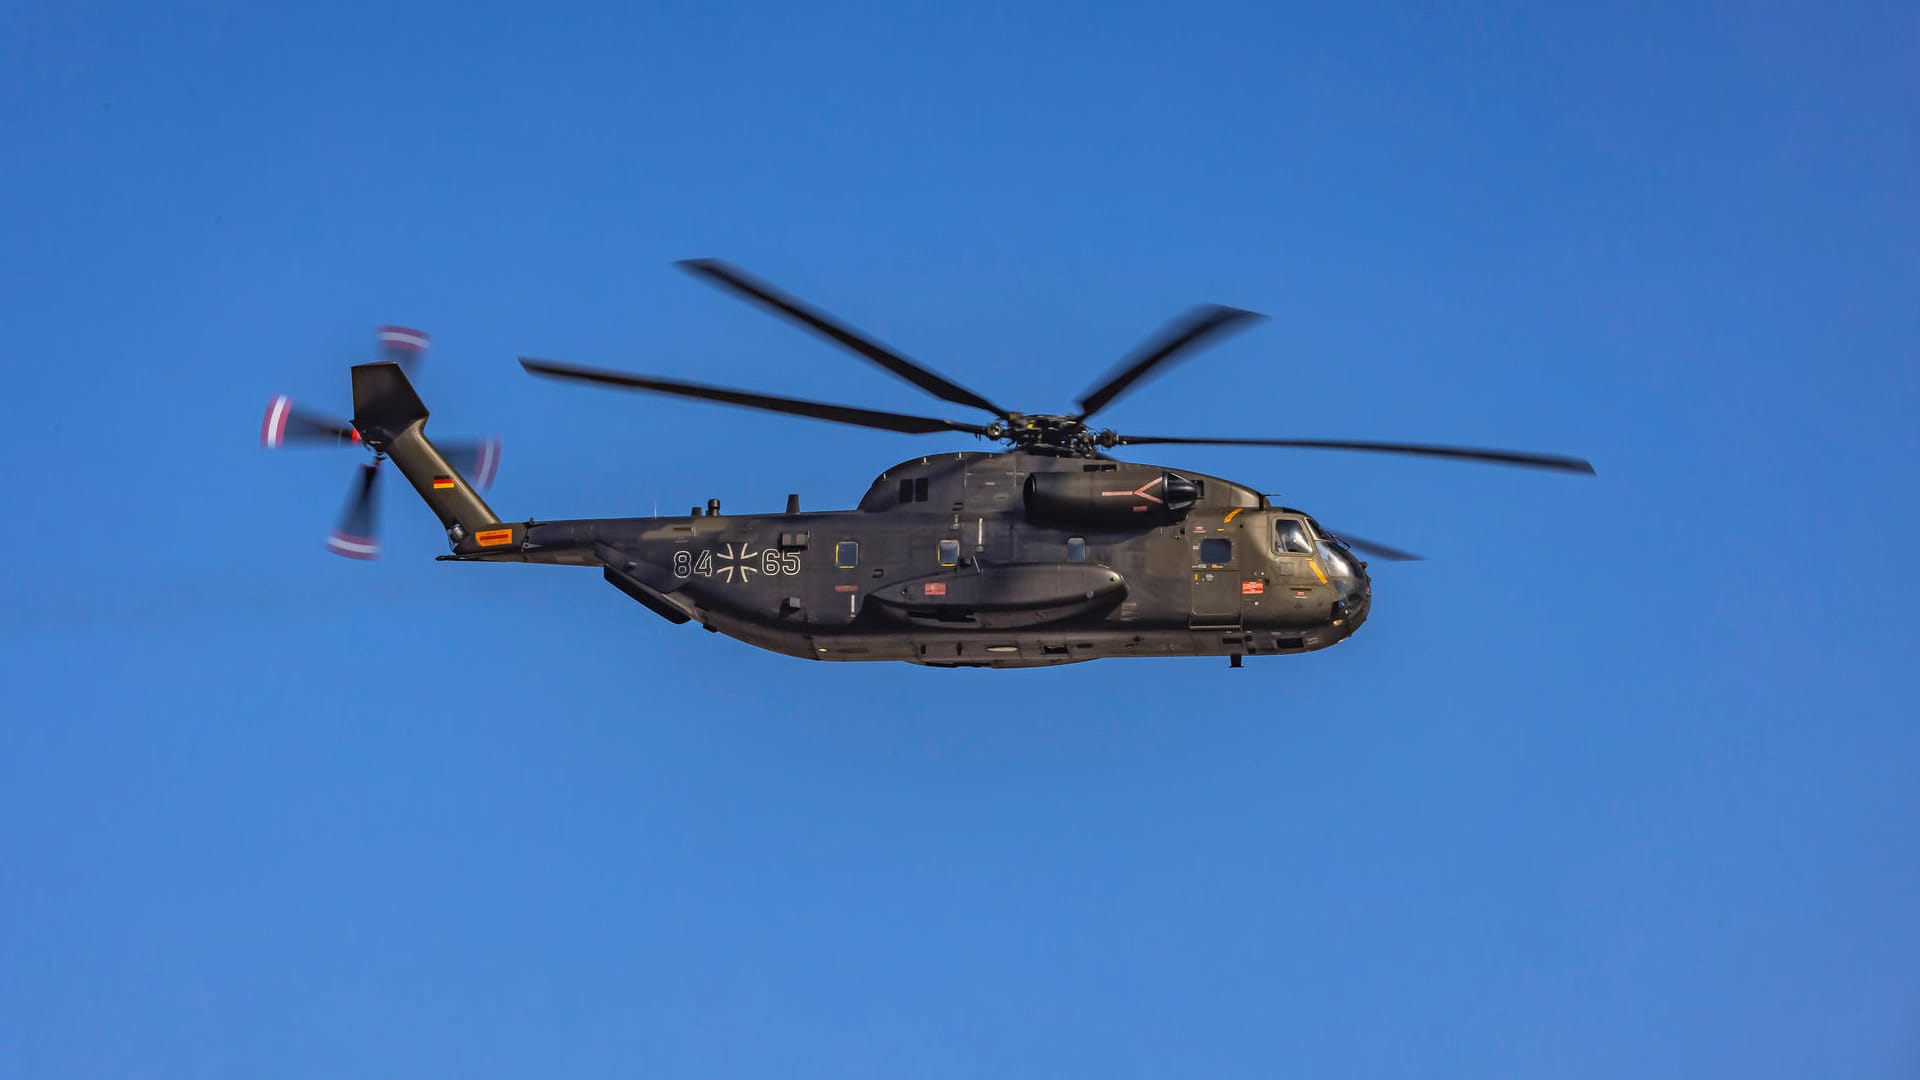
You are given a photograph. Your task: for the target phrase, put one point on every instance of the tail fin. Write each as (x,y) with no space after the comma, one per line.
(392,419)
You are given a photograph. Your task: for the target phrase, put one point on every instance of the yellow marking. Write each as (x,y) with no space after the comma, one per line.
(1317,572)
(1233,513)
(442,483)
(493,537)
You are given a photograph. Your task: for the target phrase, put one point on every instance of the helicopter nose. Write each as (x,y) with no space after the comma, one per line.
(1356,597)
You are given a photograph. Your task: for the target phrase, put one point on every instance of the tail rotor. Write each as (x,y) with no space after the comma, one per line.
(356,536)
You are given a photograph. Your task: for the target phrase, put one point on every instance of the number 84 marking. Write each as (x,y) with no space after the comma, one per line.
(735,560)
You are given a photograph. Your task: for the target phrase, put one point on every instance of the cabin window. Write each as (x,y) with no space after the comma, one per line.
(1216,551)
(846,554)
(949,552)
(1076,549)
(1290,538)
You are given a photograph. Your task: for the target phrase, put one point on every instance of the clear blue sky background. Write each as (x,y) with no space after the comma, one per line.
(1621,782)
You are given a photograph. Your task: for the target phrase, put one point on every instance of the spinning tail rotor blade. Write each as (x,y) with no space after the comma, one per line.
(479,461)
(354,537)
(403,345)
(1183,336)
(738,283)
(285,423)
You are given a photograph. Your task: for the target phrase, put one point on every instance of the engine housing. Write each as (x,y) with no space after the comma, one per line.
(1121,497)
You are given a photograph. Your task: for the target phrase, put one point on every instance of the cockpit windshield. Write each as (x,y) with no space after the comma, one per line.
(1291,537)
(1339,558)
(1326,537)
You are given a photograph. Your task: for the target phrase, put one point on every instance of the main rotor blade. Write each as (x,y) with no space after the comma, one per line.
(1461,453)
(1378,551)
(1183,336)
(736,281)
(354,536)
(841,414)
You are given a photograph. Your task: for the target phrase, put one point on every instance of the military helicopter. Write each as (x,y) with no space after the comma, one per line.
(1046,552)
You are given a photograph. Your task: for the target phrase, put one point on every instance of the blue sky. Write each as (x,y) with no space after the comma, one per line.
(1621,782)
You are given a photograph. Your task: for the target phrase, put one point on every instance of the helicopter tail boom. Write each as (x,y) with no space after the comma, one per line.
(392,420)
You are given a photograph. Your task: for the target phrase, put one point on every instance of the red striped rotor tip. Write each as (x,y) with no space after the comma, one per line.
(353,547)
(488,464)
(273,429)
(404,338)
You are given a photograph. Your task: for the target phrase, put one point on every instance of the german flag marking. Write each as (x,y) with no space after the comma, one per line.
(443,483)
(493,537)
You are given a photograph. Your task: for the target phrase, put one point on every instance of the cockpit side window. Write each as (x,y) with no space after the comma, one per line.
(1290,537)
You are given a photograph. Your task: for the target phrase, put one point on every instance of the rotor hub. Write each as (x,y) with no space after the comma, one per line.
(1052,432)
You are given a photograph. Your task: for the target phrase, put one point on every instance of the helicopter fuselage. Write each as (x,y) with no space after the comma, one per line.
(1015,559)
